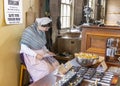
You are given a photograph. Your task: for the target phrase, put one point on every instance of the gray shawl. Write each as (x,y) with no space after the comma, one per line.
(33,38)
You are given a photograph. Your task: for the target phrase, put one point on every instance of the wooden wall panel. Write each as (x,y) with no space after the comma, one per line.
(113,12)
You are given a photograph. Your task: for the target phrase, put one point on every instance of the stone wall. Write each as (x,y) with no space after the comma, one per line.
(113,12)
(78,11)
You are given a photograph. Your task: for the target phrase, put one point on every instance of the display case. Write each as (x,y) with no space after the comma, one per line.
(113,50)
(94,40)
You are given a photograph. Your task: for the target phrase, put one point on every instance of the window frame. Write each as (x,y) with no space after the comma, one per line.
(63,16)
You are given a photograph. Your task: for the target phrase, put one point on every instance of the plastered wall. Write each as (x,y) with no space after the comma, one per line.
(9,45)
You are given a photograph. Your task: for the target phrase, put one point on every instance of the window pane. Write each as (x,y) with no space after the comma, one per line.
(90,3)
(61,19)
(64,12)
(68,22)
(64,22)
(68,10)
(67,1)
(63,1)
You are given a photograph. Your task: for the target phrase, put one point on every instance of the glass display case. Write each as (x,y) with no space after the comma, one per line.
(113,50)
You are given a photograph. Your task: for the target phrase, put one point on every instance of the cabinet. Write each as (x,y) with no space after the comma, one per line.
(113,50)
(94,39)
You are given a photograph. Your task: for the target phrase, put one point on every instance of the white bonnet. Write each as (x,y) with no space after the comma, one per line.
(43,20)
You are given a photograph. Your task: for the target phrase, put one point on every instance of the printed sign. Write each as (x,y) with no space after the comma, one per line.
(13,11)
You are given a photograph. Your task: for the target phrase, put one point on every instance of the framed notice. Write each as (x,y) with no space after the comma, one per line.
(13,11)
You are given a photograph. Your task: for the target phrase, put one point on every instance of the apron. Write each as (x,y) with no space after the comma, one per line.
(40,68)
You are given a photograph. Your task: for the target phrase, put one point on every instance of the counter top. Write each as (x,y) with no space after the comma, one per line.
(102,27)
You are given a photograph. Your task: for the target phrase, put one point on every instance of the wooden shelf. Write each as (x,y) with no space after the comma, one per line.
(113,64)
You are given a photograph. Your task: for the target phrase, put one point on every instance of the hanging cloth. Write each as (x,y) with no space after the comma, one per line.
(47,8)
(49,32)
(30,15)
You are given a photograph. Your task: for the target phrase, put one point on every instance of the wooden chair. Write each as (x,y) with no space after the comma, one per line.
(25,78)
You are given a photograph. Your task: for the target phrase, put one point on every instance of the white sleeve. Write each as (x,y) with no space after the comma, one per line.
(27,50)
(45,49)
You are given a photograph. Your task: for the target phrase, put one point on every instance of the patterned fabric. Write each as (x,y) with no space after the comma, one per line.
(33,38)
(50,59)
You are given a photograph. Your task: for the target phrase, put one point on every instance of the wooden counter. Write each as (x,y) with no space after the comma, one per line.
(50,79)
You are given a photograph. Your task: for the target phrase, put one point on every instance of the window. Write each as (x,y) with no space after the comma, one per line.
(92,5)
(98,7)
(66,13)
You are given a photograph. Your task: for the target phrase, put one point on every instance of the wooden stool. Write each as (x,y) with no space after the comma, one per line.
(22,73)
(22,69)
(24,76)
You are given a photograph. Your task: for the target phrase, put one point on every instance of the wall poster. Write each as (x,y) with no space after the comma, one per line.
(13,11)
